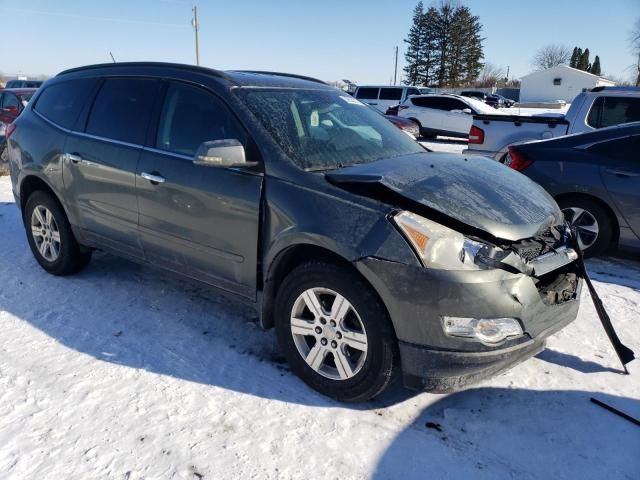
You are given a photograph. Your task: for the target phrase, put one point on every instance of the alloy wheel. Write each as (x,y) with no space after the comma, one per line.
(46,233)
(584,224)
(328,333)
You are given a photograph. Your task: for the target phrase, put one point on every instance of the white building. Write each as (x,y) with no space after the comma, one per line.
(558,83)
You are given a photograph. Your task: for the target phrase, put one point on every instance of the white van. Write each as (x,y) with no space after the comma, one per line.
(382,97)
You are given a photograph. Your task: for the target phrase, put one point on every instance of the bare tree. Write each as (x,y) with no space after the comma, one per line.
(490,75)
(635,48)
(551,56)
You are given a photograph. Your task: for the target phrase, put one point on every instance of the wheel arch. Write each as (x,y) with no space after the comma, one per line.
(289,258)
(32,183)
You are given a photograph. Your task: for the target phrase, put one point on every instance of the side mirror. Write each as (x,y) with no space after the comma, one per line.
(467,111)
(228,153)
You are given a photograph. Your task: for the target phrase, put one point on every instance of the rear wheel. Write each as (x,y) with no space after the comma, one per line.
(50,236)
(590,221)
(334,332)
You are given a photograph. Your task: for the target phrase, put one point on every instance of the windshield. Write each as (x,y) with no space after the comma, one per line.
(326,129)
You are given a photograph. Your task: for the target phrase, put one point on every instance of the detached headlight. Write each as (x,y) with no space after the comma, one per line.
(440,247)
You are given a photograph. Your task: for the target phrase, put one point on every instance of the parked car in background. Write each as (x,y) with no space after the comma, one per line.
(491,135)
(382,97)
(496,101)
(404,124)
(505,102)
(23,84)
(444,114)
(12,102)
(595,178)
(369,255)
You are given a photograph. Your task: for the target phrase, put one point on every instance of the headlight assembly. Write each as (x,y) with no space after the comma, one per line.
(440,247)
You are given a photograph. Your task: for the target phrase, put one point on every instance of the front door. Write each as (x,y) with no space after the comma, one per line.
(100,163)
(198,220)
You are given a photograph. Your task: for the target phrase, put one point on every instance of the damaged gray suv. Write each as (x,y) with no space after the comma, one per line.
(369,255)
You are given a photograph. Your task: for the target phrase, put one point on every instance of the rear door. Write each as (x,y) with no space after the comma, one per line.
(428,111)
(455,119)
(620,173)
(200,221)
(101,160)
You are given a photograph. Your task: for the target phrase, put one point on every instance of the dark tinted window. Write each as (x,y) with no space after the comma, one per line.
(190,116)
(413,91)
(453,104)
(122,109)
(61,103)
(10,100)
(609,111)
(367,93)
(622,148)
(391,94)
(437,103)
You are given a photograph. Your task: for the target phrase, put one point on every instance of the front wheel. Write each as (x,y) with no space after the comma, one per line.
(334,332)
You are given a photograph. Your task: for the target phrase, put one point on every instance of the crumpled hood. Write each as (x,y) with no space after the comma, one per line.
(476,191)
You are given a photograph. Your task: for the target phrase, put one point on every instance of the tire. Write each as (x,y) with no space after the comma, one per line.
(63,257)
(592,218)
(370,374)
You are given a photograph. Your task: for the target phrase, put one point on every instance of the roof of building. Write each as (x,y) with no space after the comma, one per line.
(566,67)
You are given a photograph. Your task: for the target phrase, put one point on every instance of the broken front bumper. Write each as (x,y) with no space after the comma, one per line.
(417,298)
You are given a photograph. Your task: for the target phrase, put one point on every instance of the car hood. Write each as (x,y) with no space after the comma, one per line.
(473,191)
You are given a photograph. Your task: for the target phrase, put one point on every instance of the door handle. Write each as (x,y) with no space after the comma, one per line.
(622,173)
(155,179)
(73,157)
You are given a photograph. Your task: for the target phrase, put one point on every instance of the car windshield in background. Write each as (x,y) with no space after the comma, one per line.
(324,129)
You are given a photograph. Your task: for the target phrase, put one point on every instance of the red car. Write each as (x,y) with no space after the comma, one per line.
(12,102)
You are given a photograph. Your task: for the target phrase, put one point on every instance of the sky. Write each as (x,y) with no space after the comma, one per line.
(328,39)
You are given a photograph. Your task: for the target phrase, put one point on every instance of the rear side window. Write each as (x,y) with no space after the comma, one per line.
(190,116)
(122,109)
(367,93)
(437,103)
(620,148)
(391,94)
(62,103)
(609,111)
(10,100)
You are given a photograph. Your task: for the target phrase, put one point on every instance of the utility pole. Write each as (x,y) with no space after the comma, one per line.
(508,72)
(395,68)
(196,27)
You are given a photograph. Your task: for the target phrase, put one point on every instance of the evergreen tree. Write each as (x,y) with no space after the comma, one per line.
(429,46)
(574,58)
(583,63)
(444,45)
(595,68)
(413,56)
(578,57)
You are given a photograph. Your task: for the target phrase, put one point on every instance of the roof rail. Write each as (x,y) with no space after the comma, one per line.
(212,71)
(615,89)
(280,74)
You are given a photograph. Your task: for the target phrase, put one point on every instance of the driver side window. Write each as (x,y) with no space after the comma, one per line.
(191,115)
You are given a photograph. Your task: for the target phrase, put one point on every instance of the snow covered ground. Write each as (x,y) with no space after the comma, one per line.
(125,372)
